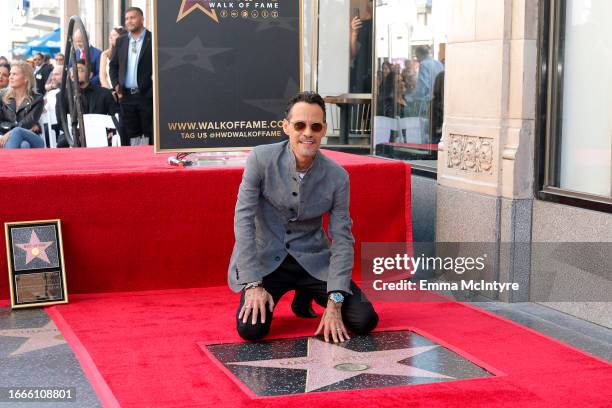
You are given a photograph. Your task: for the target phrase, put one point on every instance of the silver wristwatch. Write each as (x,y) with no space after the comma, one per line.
(252,285)
(336,297)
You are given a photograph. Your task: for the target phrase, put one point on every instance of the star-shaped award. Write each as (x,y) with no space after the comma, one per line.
(38,338)
(187,6)
(327,363)
(35,249)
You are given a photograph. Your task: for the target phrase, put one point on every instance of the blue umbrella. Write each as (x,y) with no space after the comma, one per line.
(22,50)
(47,44)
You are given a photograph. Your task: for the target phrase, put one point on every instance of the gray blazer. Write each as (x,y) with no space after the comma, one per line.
(276,214)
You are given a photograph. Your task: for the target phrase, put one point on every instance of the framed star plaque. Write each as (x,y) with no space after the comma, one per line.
(35,263)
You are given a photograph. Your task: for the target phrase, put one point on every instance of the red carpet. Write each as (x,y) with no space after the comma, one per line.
(139,350)
(132,222)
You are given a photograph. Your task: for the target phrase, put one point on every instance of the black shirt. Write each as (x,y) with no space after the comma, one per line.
(96,99)
(361,69)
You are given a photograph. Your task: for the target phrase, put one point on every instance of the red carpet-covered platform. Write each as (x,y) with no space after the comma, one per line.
(132,222)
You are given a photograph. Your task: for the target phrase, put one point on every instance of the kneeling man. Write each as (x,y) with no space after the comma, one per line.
(280,244)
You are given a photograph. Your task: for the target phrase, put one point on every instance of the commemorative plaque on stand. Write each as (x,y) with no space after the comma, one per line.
(37,276)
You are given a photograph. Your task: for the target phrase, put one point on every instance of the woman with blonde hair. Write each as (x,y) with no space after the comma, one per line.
(106,56)
(20,110)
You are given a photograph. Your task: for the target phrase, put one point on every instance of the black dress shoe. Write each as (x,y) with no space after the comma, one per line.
(302,305)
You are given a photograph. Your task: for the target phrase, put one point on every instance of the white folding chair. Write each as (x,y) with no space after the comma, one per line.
(48,120)
(96,129)
(116,141)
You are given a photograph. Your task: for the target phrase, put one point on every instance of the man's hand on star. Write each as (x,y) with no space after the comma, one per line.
(331,323)
(255,300)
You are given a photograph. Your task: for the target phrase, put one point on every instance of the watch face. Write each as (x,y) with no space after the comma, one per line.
(336,297)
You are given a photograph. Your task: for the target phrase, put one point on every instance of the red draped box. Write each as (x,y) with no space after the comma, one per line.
(132,222)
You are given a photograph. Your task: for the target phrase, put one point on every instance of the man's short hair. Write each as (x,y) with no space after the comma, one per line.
(421,51)
(307,97)
(81,62)
(136,9)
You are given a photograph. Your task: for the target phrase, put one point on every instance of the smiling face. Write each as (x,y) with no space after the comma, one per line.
(305,142)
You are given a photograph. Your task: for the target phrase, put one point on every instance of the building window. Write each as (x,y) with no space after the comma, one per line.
(344,71)
(576,103)
(409,80)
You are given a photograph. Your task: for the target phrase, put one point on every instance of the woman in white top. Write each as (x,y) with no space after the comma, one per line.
(106,56)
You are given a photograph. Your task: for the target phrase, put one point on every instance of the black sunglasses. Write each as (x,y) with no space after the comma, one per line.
(300,126)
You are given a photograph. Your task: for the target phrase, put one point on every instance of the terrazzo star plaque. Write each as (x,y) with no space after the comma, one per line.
(308,364)
(36,268)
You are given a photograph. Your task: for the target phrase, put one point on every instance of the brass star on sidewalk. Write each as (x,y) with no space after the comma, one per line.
(38,338)
(327,363)
(187,6)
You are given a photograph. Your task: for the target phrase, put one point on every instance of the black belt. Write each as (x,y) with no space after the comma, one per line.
(132,91)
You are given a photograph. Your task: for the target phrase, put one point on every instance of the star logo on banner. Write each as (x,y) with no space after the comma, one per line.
(282,23)
(193,53)
(187,6)
(327,363)
(35,249)
(37,338)
(275,106)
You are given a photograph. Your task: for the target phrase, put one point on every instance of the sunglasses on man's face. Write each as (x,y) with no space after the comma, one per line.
(301,126)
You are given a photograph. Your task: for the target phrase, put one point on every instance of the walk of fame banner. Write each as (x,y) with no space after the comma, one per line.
(223,72)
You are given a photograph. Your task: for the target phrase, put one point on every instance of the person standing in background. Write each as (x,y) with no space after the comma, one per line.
(361,51)
(41,72)
(131,72)
(93,57)
(105,80)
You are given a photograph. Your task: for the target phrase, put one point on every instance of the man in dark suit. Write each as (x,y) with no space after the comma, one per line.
(131,71)
(94,56)
(41,72)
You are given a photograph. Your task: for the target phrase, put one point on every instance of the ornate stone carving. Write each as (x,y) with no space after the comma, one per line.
(470,153)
